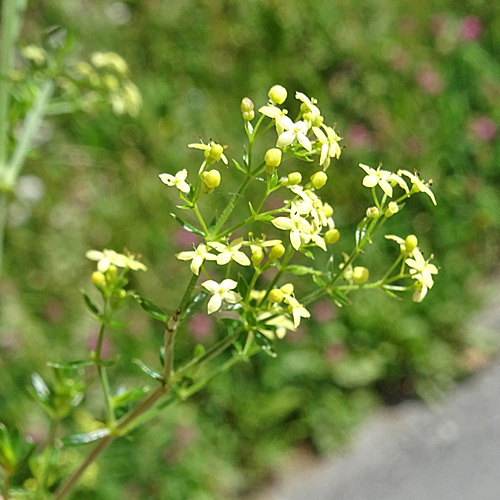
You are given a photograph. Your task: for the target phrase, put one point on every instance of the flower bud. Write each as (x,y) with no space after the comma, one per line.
(294,178)
(98,278)
(246,105)
(411,243)
(327,210)
(319,179)
(287,289)
(277,94)
(214,153)
(248,115)
(332,236)
(275,296)
(257,256)
(211,178)
(372,212)
(276,252)
(111,273)
(360,274)
(122,294)
(392,209)
(273,157)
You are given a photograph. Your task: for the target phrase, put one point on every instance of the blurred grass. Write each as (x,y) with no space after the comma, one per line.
(406,89)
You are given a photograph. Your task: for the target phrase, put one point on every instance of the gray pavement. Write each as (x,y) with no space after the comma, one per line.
(415,452)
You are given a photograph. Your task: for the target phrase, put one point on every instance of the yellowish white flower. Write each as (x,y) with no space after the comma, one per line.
(383,178)
(259,243)
(418,185)
(298,226)
(179,180)
(106,258)
(276,114)
(221,292)
(230,252)
(34,53)
(297,309)
(329,145)
(421,269)
(281,323)
(109,60)
(310,112)
(213,152)
(197,257)
(293,131)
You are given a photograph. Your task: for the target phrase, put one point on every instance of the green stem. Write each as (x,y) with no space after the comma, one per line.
(200,219)
(31,122)
(227,211)
(11,20)
(3,222)
(289,254)
(71,482)
(6,484)
(47,456)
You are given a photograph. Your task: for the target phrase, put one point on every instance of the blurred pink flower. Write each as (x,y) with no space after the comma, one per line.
(185,239)
(106,349)
(324,311)
(470,29)
(334,352)
(429,80)
(201,325)
(483,128)
(359,136)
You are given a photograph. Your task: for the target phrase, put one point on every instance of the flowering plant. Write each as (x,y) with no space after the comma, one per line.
(253,282)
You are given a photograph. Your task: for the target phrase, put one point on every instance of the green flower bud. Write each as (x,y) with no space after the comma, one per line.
(287,289)
(276,252)
(360,274)
(246,105)
(273,157)
(319,179)
(332,236)
(372,212)
(411,243)
(327,210)
(294,178)
(257,256)
(249,115)
(122,294)
(214,153)
(275,296)
(392,209)
(277,94)
(111,273)
(211,178)
(98,278)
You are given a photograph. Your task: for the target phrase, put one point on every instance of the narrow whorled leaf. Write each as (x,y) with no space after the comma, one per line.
(152,309)
(274,180)
(85,437)
(264,217)
(301,270)
(339,297)
(196,303)
(307,253)
(89,302)
(71,364)
(361,229)
(242,285)
(319,281)
(41,389)
(187,226)
(330,269)
(238,166)
(129,396)
(147,370)
(252,210)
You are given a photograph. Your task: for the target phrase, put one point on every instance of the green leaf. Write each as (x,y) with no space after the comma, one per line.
(129,396)
(238,166)
(196,303)
(301,270)
(71,364)
(307,253)
(252,210)
(320,282)
(242,285)
(330,269)
(85,437)
(41,389)
(339,297)
(265,217)
(273,182)
(152,309)
(89,302)
(187,226)
(147,370)
(361,229)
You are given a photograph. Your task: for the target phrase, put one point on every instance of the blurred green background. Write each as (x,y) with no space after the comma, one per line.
(411,86)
